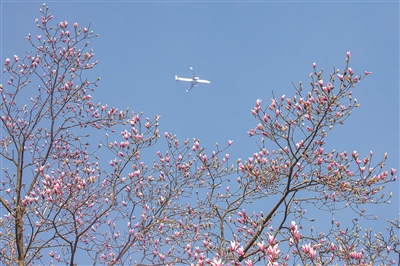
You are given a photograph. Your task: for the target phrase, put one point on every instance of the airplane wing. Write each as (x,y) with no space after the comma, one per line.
(193,75)
(191,86)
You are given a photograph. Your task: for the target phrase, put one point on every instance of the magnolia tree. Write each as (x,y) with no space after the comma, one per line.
(70,198)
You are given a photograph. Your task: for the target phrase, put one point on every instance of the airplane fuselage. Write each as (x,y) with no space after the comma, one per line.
(195,80)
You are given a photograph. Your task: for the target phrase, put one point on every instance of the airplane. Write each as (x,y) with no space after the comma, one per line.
(194,80)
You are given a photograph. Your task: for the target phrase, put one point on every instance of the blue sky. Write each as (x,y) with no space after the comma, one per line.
(246,50)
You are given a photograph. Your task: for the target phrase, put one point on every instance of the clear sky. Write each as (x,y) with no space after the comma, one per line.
(246,49)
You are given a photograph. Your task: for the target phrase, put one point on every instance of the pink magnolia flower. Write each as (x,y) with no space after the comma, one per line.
(233,246)
(348,54)
(306,248)
(393,171)
(273,251)
(64,24)
(162,256)
(293,226)
(248,262)
(240,251)
(217,262)
(251,132)
(271,239)
(356,255)
(7,62)
(313,253)
(261,246)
